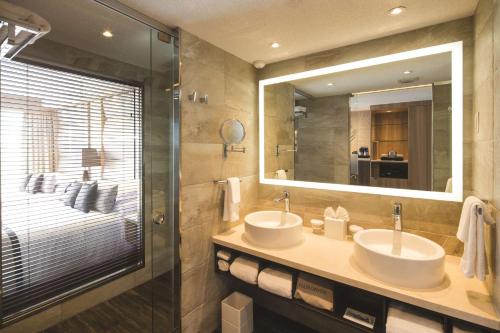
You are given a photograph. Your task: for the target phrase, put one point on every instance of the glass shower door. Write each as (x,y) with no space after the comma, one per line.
(164,187)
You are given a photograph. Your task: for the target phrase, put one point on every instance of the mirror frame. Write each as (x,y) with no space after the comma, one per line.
(456,49)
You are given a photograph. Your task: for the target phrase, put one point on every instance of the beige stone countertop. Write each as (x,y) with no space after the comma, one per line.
(459,297)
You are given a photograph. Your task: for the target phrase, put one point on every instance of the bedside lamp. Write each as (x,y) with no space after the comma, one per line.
(90,158)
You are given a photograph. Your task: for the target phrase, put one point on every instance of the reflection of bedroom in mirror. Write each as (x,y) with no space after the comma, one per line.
(386,126)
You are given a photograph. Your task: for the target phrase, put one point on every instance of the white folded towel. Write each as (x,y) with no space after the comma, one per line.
(223,265)
(280,174)
(404,320)
(245,269)
(314,291)
(232,200)
(224,255)
(276,281)
(471,233)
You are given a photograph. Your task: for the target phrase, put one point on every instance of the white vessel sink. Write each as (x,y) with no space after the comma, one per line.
(418,264)
(273,229)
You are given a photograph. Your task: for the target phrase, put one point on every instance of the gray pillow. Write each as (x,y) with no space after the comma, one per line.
(86,197)
(35,183)
(25,182)
(71,194)
(106,199)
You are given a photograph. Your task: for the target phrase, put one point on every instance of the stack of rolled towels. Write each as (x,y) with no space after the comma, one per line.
(279,281)
(224,258)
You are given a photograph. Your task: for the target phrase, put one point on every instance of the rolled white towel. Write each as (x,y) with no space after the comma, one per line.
(276,281)
(224,255)
(245,269)
(223,265)
(401,319)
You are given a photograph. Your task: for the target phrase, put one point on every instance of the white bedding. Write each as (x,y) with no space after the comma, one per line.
(53,240)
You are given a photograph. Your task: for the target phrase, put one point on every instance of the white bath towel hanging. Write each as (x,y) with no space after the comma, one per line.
(232,200)
(471,233)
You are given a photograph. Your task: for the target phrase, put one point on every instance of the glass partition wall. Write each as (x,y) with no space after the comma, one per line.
(89,167)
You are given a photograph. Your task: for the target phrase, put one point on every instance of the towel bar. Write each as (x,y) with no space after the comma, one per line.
(221,181)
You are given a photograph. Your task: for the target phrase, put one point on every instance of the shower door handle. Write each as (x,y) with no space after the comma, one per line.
(159,219)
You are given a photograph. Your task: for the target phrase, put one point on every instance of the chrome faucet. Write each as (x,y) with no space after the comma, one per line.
(286,198)
(397,216)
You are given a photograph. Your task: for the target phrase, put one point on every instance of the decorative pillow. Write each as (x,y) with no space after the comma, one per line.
(106,199)
(25,182)
(35,183)
(86,197)
(71,194)
(49,183)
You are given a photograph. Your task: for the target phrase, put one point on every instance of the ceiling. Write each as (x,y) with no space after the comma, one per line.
(82,25)
(428,69)
(246,28)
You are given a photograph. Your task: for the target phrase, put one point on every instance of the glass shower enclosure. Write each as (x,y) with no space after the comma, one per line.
(93,49)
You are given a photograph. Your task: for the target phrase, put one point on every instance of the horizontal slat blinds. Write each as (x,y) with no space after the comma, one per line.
(71,182)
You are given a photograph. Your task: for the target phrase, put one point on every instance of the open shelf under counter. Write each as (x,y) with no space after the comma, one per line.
(457,297)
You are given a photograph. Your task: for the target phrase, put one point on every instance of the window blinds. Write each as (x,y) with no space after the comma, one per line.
(71,183)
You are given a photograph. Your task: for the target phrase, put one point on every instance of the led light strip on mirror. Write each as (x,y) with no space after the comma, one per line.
(455,49)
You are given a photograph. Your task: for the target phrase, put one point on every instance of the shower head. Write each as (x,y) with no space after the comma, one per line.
(19,27)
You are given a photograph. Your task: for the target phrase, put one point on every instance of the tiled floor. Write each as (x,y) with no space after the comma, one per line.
(130,312)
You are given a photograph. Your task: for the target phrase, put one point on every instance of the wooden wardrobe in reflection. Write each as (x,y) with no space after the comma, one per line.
(405,128)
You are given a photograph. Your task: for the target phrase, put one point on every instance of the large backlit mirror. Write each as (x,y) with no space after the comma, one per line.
(389,125)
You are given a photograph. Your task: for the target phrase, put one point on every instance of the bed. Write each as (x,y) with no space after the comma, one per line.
(45,242)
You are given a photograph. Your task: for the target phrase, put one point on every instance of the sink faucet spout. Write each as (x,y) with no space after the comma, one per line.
(286,199)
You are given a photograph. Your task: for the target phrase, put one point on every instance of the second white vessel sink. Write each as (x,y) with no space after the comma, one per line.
(405,260)
(273,229)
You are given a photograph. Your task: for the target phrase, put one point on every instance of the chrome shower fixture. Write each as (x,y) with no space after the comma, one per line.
(19,27)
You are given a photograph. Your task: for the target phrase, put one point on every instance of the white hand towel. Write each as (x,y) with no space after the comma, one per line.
(404,320)
(245,269)
(224,255)
(232,200)
(276,281)
(471,233)
(223,265)
(280,174)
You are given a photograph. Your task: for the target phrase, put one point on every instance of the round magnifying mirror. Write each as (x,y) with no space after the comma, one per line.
(232,132)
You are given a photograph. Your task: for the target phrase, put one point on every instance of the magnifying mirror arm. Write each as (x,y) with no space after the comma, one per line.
(233,149)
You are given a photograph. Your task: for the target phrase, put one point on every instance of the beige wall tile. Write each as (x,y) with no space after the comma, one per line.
(232,88)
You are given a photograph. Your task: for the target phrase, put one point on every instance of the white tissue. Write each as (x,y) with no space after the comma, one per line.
(341,213)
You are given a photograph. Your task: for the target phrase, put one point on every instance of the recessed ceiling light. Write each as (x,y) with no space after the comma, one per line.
(275,45)
(107,33)
(329,84)
(388,111)
(407,72)
(396,10)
